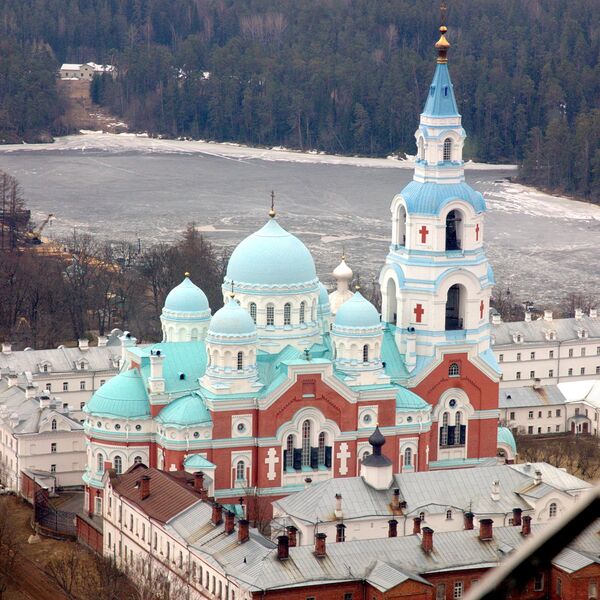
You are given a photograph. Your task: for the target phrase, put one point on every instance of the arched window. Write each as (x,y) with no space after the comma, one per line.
(365,454)
(453,230)
(45,368)
(137,460)
(552,510)
(287,314)
(459,430)
(100,463)
(322,443)
(302,311)
(240,361)
(454,370)
(444,430)
(306,443)
(448,515)
(447,149)
(408,457)
(53,425)
(454,308)
(252,308)
(421,149)
(118,465)
(289,457)
(365,353)
(240,470)
(422,516)
(270,315)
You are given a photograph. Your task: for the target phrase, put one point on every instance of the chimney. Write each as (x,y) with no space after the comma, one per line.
(307,482)
(217,514)
(102,341)
(416,525)
(338,506)
(496,319)
(537,478)
(517,512)
(243,530)
(107,465)
(392,528)
(6,347)
(229,522)
(547,315)
(578,314)
(30,391)
(340,532)
(156,380)
(526,526)
(199,483)
(283,547)
(127,341)
(13,378)
(144,487)
(320,545)
(527,317)
(495,494)
(427,541)
(292,535)
(593,313)
(83,344)
(396,500)
(486,530)
(469,520)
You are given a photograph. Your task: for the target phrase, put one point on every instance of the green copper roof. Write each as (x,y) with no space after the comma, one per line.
(197,463)
(407,400)
(123,396)
(185,411)
(505,436)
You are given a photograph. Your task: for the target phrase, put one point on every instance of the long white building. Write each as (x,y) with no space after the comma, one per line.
(547,351)
(38,434)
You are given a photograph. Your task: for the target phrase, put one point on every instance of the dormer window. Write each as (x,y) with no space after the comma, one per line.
(517,338)
(445,90)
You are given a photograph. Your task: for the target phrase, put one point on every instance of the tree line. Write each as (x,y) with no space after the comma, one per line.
(344,76)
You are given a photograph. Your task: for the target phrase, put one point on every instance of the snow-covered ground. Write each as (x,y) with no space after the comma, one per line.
(124,186)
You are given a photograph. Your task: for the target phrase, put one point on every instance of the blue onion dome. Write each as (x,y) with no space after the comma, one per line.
(123,396)
(231,321)
(186,411)
(271,257)
(187,298)
(357,313)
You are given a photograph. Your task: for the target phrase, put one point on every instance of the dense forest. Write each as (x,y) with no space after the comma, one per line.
(344,76)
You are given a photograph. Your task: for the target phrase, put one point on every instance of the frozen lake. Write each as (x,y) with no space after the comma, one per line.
(125,187)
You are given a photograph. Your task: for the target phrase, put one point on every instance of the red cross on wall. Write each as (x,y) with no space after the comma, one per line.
(423,231)
(481,309)
(419,312)
(477,233)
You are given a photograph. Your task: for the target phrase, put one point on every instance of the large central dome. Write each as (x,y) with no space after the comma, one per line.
(271,257)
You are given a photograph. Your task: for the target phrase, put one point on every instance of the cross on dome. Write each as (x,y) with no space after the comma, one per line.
(272,212)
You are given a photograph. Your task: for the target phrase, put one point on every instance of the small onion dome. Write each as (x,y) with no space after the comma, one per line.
(343,271)
(357,312)
(376,459)
(231,321)
(123,396)
(187,297)
(186,411)
(505,436)
(271,257)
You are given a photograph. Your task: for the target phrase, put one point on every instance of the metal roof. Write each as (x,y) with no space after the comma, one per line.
(535,331)
(524,396)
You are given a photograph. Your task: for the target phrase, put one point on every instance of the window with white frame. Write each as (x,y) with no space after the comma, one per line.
(118,465)
(65,386)
(552,510)
(408,457)
(322,445)
(82,385)
(287,314)
(53,425)
(252,310)
(454,370)
(289,456)
(365,353)
(447,149)
(240,361)
(444,430)
(270,315)
(240,471)
(458,589)
(100,463)
(302,311)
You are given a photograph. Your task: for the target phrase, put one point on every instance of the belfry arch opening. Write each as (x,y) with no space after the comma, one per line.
(455,307)
(392,302)
(401,227)
(454,230)
(447,150)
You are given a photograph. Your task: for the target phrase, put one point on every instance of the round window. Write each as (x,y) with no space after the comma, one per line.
(138,427)
(409,419)
(117,427)
(99,424)
(452,403)
(367,418)
(241,427)
(196,434)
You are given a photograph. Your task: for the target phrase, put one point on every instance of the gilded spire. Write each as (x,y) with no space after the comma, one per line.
(272,212)
(186,274)
(443,44)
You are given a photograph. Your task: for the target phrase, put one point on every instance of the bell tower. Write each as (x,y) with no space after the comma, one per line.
(436,282)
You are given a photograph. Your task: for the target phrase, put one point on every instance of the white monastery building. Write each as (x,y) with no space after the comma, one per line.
(547,351)
(85,71)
